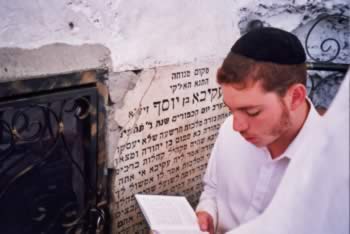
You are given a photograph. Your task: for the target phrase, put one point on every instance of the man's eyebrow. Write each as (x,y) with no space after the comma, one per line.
(243,108)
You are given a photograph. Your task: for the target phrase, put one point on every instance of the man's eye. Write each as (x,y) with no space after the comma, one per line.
(253,113)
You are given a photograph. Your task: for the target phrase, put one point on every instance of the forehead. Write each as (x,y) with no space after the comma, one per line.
(252,95)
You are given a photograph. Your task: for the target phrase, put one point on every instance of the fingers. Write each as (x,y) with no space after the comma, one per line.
(211,228)
(205,222)
(202,220)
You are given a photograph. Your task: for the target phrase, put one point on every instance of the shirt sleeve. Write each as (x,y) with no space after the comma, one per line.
(207,200)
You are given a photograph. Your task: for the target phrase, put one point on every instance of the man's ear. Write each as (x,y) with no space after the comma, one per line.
(297,94)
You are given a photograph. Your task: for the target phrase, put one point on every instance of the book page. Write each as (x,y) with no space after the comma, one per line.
(167,212)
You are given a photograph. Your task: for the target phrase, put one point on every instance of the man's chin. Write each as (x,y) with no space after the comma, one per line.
(259,145)
(255,141)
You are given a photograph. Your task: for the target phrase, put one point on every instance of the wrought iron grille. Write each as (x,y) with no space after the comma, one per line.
(327,54)
(48,146)
(325,73)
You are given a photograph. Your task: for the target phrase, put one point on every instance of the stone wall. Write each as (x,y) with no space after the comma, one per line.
(164,133)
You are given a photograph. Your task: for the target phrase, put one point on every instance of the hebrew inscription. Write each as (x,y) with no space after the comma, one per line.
(168,126)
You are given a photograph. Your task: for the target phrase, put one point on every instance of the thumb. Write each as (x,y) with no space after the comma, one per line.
(203,223)
(203,226)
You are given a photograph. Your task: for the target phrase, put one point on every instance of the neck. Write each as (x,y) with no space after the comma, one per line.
(277,147)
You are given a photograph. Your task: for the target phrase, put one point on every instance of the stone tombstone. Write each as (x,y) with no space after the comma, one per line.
(168,126)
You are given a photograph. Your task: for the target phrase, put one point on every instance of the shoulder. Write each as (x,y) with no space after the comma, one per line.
(314,119)
(226,127)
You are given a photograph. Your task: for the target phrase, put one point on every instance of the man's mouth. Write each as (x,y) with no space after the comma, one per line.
(250,138)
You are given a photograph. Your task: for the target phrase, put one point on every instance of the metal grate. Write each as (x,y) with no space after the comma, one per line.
(48,148)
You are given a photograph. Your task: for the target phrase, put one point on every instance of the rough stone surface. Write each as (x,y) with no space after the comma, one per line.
(118,84)
(52,59)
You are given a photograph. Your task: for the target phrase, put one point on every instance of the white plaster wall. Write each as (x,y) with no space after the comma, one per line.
(149,33)
(139,34)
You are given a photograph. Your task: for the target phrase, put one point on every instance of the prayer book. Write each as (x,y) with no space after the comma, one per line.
(168,214)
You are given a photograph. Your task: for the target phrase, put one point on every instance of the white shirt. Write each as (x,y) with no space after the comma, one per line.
(314,194)
(241,179)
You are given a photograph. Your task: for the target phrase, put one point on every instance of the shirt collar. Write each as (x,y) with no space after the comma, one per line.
(310,124)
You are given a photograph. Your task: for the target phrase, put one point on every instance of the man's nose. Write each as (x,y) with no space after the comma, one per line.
(239,123)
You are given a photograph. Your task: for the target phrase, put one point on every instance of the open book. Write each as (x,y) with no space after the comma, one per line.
(168,214)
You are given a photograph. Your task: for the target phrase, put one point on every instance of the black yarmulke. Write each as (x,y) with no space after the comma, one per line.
(270,45)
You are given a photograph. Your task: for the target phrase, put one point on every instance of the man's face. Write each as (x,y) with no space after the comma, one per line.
(260,117)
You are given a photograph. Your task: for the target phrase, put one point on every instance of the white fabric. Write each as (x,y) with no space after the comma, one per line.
(313,197)
(241,179)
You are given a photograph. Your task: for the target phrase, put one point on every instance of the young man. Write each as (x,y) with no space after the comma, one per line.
(263,83)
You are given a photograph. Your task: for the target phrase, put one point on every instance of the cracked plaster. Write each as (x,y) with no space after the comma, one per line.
(136,37)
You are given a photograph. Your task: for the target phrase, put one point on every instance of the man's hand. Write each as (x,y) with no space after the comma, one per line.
(205,221)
